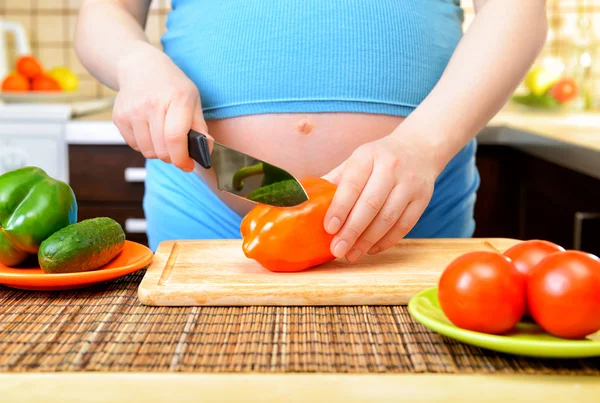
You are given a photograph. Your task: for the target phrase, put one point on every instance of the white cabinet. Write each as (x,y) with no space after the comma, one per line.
(33,140)
(38,144)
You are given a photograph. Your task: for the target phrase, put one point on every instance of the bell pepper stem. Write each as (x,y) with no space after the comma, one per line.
(242,173)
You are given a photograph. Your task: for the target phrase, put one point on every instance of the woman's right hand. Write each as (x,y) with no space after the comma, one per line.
(156,106)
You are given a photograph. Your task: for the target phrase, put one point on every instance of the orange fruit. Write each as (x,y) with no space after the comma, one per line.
(29,66)
(44,83)
(15,82)
(564,90)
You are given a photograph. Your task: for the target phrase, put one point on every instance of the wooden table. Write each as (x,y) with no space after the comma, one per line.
(291,388)
(101,344)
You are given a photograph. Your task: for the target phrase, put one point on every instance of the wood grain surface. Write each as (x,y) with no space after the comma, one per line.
(292,388)
(216,273)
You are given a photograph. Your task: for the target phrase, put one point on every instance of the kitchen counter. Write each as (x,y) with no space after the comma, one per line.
(349,388)
(101,344)
(93,129)
(569,140)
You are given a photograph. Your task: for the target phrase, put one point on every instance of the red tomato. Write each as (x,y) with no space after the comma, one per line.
(29,66)
(563,294)
(483,292)
(44,83)
(15,82)
(564,90)
(526,255)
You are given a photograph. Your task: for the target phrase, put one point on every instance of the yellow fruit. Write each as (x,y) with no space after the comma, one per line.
(67,80)
(540,78)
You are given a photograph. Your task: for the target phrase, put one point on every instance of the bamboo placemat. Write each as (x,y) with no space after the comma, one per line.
(105,328)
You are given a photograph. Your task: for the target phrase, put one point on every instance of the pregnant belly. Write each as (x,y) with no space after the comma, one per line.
(304,144)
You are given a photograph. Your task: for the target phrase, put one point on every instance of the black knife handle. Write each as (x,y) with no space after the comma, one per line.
(198,148)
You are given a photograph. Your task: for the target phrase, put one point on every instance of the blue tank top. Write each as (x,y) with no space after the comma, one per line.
(282,56)
(269,56)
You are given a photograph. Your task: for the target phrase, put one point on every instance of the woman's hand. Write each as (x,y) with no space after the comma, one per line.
(156,106)
(383,188)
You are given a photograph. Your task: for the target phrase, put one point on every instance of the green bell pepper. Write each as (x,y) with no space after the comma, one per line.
(33,206)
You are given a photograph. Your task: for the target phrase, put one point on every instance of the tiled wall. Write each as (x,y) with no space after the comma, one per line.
(51,23)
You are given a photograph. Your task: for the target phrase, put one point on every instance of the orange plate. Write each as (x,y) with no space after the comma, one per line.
(133,257)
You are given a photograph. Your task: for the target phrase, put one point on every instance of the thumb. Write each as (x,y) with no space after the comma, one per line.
(335,175)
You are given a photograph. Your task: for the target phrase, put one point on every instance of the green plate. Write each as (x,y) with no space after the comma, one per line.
(526,339)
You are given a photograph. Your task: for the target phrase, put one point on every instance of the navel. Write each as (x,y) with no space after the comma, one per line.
(303,126)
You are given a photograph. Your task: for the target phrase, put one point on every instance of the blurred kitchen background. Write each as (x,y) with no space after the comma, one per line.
(50,27)
(539,159)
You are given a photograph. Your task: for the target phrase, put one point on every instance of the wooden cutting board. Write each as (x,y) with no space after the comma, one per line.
(216,272)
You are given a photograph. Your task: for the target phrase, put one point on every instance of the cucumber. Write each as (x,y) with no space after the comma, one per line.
(83,246)
(274,175)
(271,174)
(288,190)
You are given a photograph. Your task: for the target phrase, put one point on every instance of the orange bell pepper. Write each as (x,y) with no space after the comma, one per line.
(290,239)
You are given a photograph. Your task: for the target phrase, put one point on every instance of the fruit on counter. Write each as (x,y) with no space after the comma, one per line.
(44,82)
(482,291)
(16,82)
(85,246)
(290,239)
(33,206)
(564,90)
(66,78)
(545,101)
(526,255)
(29,66)
(549,86)
(563,294)
(29,75)
(540,78)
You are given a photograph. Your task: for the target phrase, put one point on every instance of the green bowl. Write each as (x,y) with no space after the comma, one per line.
(527,339)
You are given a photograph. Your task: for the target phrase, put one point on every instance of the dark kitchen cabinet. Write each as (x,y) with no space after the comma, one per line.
(109,181)
(497,205)
(525,197)
(560,205)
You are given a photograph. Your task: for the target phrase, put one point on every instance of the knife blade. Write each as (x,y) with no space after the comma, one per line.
(246,176)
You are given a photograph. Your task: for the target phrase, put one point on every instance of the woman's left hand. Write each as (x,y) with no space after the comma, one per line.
(383,188)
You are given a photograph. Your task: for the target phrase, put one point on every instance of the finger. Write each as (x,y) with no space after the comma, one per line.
(405,223)
(156,123)
(124,126)
(141,132)
(354,178)
(178,121)
(335,175)
(389,214)
(368,205)
(127,133)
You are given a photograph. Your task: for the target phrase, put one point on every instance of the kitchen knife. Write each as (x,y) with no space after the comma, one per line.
(245,176)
